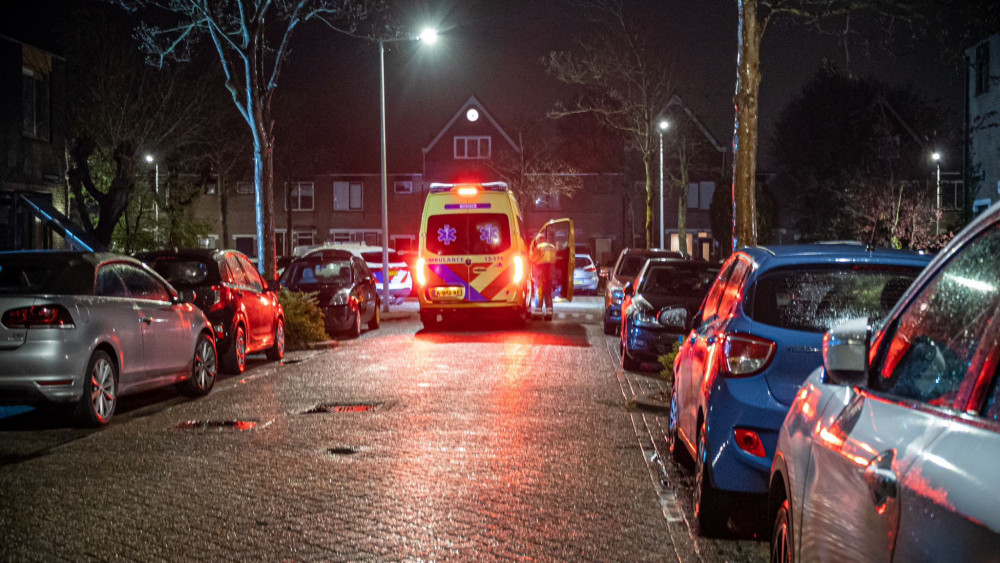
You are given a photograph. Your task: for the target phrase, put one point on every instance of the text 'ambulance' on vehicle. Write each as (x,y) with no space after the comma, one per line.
(473,257)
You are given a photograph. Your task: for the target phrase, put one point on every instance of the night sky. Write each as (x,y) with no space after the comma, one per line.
(328,93)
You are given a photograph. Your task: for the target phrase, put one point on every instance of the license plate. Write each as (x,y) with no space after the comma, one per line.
(449,292)
(392,273)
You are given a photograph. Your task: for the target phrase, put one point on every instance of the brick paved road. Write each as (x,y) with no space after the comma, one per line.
(482,446)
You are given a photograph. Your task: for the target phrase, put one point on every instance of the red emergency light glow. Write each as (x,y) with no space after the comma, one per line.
(518,268)
(467,191)
(421,275)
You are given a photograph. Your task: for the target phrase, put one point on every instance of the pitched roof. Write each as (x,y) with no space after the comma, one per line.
(471,102)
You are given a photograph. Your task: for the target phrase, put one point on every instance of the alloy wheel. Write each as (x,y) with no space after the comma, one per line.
(103,394)
(205,365)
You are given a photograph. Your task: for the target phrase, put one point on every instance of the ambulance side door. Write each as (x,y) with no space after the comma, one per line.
(559,232)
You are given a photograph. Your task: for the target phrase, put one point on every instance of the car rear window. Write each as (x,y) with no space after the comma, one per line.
(184,273)
(45,273)
(678,279)
(377,256)
(583,262)
(471,233)
(318,272)
(633,261)
(814,299)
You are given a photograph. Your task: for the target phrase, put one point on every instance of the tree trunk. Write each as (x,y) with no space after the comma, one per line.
(647,167)
(745,134)
(263,175)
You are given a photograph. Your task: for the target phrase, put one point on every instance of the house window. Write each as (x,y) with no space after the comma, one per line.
(547,201)
(247,244)
(244,188)
(983,68)
(279,243)
(952,195)
(35,103)
(401,187)
(347,196)
(473,147)
(302,196)
(303,238)
(693,196)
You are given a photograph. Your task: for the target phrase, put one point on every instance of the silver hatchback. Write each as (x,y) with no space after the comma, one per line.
(81,329)
(891,450)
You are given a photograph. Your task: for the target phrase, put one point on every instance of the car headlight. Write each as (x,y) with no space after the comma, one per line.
(616,296)
(645,319)
(340,298)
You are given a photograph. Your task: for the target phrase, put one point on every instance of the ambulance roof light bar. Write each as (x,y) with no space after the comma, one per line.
(439,187)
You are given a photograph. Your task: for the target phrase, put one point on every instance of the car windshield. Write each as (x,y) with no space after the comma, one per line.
(45,273)
(814,299)
(678,279)
(471,233)
(634,261)
(183,273)
(319,272)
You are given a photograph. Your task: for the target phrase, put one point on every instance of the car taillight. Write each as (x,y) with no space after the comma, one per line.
(518,268)
(590,269)
(745,355)
(750,442)
(217,297)
(421,275)
(53,316)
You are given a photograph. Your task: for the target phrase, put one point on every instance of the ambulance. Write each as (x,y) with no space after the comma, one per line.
(474,259)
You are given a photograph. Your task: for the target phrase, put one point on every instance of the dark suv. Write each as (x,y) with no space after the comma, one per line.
(243,309)
(630,261)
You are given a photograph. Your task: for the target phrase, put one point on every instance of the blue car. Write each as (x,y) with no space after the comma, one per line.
(659,304)
(757,337)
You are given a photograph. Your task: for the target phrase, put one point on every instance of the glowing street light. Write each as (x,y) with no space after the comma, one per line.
(662,126)
(156,200)
(428,36)
(936,157)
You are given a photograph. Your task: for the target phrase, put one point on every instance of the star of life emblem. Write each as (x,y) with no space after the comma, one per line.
(446,234)
(490,234)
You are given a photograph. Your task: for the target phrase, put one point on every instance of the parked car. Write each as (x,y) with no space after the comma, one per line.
(585,275)
(400,275)
(82,329)
(243,309)
(658,306)
(891,450)
(629,262)
(345,289)
(756,339)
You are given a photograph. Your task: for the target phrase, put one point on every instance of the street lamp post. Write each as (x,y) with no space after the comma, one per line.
(662,126)
(937,215)
(429,36)
(156,199)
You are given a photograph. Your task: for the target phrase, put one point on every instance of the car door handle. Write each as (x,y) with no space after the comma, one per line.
(147,320)
(883,483)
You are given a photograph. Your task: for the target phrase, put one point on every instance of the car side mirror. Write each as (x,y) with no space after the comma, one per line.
(845,353)
(694,322)
(186,296)
(673,319)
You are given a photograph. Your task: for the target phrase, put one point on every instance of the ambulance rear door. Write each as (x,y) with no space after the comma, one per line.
(559,232)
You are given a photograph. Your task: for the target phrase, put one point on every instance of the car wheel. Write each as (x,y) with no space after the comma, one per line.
(235,360)
(100,391)
(709,503)
(355,330)
(781,537)
(277,350)
(377,317)
(677,449)
(204,368)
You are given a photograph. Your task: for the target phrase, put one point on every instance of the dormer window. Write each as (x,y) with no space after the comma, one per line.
(473,147)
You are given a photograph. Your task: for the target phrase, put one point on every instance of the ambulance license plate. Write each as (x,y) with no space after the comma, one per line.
(449,292)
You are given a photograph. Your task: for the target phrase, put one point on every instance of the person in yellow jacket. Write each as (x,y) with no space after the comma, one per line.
(543,259)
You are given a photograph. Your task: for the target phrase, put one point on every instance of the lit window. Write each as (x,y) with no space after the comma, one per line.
(244,188)
(473,147)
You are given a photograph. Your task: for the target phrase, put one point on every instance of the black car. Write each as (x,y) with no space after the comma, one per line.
(658,305)
(243,309)
(629,262)
(344,285)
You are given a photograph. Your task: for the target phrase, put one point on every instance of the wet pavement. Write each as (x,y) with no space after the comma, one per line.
(405,445)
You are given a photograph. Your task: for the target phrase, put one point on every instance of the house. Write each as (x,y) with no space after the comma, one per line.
(33,191)
(983,123)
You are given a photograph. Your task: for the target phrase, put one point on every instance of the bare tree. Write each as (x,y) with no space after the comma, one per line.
(622,83)
(536,170)
(120,108)
(252,40)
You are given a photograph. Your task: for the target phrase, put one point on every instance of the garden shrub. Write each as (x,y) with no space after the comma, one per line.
(303,319)
(667,361)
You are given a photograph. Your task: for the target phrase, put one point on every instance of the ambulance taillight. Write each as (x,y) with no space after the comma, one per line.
(518,268)
(421,275)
